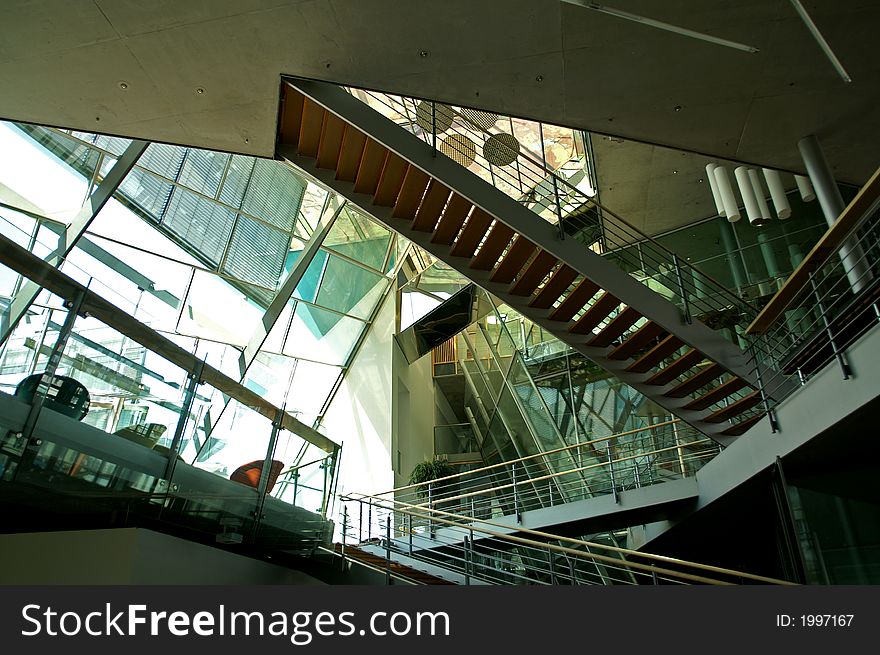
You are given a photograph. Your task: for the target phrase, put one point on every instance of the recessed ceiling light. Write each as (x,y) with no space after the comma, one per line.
(123,85)
(424,53)
(675,172)
(676,108)
(200,90)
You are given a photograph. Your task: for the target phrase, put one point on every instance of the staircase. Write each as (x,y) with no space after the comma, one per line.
(559,283)
(398,570)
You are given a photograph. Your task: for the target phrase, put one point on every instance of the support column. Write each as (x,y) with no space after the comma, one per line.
(733,257)
(851,253)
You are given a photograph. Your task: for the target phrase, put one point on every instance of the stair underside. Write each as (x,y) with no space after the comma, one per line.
(518,271)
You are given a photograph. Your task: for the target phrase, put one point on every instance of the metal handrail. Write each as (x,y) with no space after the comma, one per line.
(570,190)
(469,523)
(530,457)
(853,217)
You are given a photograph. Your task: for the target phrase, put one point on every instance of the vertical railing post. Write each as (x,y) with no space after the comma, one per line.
(431,526)
(517,509)
(434,129)
(369,520)
(360,521)
(409,531)
(263,483)
(558,207)
(344,531)
(195,379)
(611,470)
(470,538)
(467,559)
(838,354)
(552,566)
(765,400)
(388,549)
(682,292)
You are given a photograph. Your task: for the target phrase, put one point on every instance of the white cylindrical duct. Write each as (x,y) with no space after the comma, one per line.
(760,196)
(722,180)
(777,193)
(716,196)
(748,195)
(805,187)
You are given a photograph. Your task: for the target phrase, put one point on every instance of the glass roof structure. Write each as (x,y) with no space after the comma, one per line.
(196,245)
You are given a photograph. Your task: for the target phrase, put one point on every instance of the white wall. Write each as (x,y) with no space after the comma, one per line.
(413,414)
(360,415)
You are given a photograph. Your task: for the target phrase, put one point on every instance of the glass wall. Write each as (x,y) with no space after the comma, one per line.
(195,245)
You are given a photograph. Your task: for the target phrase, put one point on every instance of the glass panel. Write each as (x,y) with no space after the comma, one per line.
(130,388)
(214,309)
(274,193)
(202,170)
(359,238)
(203,225)
(256,253)
(320,335)
(349,288)
(311,387)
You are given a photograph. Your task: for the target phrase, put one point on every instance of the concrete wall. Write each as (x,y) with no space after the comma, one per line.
(129,556)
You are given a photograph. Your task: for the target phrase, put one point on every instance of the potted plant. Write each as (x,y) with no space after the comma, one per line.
(426,472)
(429,470)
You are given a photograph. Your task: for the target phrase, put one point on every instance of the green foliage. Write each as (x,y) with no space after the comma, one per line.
(431,469)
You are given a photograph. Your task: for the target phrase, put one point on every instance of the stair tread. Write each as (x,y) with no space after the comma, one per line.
(534,274)
(657,354)
(636,341)
(596,313)
(357,554)
(695,382)
(452,219)
(330,144)
(353,143)
(410,197)
(575,301)
(555,287)
(496,241)
(717,394)
(734,409)
(616,327)
(291,116)
(390,180)
(513,260)
(311,127)
(474,231)
(429,212)
(678,367)
(370,167)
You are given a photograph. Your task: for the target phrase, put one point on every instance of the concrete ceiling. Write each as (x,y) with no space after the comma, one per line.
(206,73)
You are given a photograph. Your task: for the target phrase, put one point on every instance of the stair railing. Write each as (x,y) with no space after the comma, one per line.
(479,551)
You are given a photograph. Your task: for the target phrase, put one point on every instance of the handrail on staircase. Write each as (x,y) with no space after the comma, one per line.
(508,463)
(632,235)
(862,207)
(542,540)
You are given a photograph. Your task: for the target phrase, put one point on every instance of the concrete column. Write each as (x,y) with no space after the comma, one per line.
(851,253)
